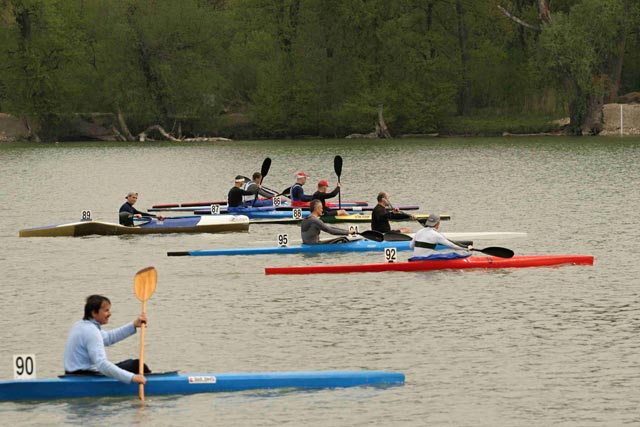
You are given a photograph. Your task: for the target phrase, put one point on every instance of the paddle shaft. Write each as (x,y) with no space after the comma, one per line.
(266,165)
(141,358)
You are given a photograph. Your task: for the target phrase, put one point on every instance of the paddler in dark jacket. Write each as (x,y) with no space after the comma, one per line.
(234,198)
(296,193)
(383,212)
(322,195)
(312,225)
(128,212)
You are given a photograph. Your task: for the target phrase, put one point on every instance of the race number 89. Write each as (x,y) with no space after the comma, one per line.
(390,254)
(24,366)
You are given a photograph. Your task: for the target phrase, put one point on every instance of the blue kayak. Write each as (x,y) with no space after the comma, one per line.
(362,245)
(173,383)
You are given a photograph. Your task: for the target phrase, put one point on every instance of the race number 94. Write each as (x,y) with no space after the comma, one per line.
(24,366)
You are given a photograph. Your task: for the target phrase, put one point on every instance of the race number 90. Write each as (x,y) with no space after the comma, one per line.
(391,254)
(24,366)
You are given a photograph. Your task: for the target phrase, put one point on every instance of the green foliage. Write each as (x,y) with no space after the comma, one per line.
(278,68)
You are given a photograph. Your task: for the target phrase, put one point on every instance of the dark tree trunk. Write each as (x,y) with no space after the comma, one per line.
(463,91)
(616,72)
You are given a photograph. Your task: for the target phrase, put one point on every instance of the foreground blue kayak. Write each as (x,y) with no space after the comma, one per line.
(173,383)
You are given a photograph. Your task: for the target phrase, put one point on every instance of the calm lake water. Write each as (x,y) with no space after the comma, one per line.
(521,347)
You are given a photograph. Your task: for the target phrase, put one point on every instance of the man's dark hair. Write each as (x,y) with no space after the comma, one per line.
(93,304)
(381,196)
(256,175)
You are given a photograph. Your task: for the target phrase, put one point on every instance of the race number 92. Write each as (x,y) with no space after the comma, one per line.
(24,366)
(391,254)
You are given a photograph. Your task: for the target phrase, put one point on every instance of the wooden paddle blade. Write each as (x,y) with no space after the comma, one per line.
(145,283)
(497,252)
(337,166)
(266,165)
(376,236)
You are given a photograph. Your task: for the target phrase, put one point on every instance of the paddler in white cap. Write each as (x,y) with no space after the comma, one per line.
(234,197)
(297,196)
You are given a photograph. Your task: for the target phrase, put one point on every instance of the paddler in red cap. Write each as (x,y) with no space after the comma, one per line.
(322,195)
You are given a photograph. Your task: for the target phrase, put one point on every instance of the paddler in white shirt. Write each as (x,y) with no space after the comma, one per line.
(84,352)
(424,243)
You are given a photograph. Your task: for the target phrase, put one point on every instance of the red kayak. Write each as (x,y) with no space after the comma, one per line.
(460,263)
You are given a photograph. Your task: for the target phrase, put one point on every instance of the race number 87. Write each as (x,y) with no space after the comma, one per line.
(24,366)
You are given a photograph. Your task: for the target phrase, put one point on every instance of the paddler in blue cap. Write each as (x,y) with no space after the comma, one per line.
(425,240)
(128,212)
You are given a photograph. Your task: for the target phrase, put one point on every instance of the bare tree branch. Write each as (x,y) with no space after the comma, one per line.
(518,20)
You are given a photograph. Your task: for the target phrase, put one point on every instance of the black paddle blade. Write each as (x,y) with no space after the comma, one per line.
(337,166)
(497,252)
(286,192)
(376,236)
(396,237)
(266,165)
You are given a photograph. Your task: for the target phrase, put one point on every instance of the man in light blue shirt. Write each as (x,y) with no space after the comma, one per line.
(84,352)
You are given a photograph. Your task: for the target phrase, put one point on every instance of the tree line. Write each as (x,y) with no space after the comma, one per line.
(280,68)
